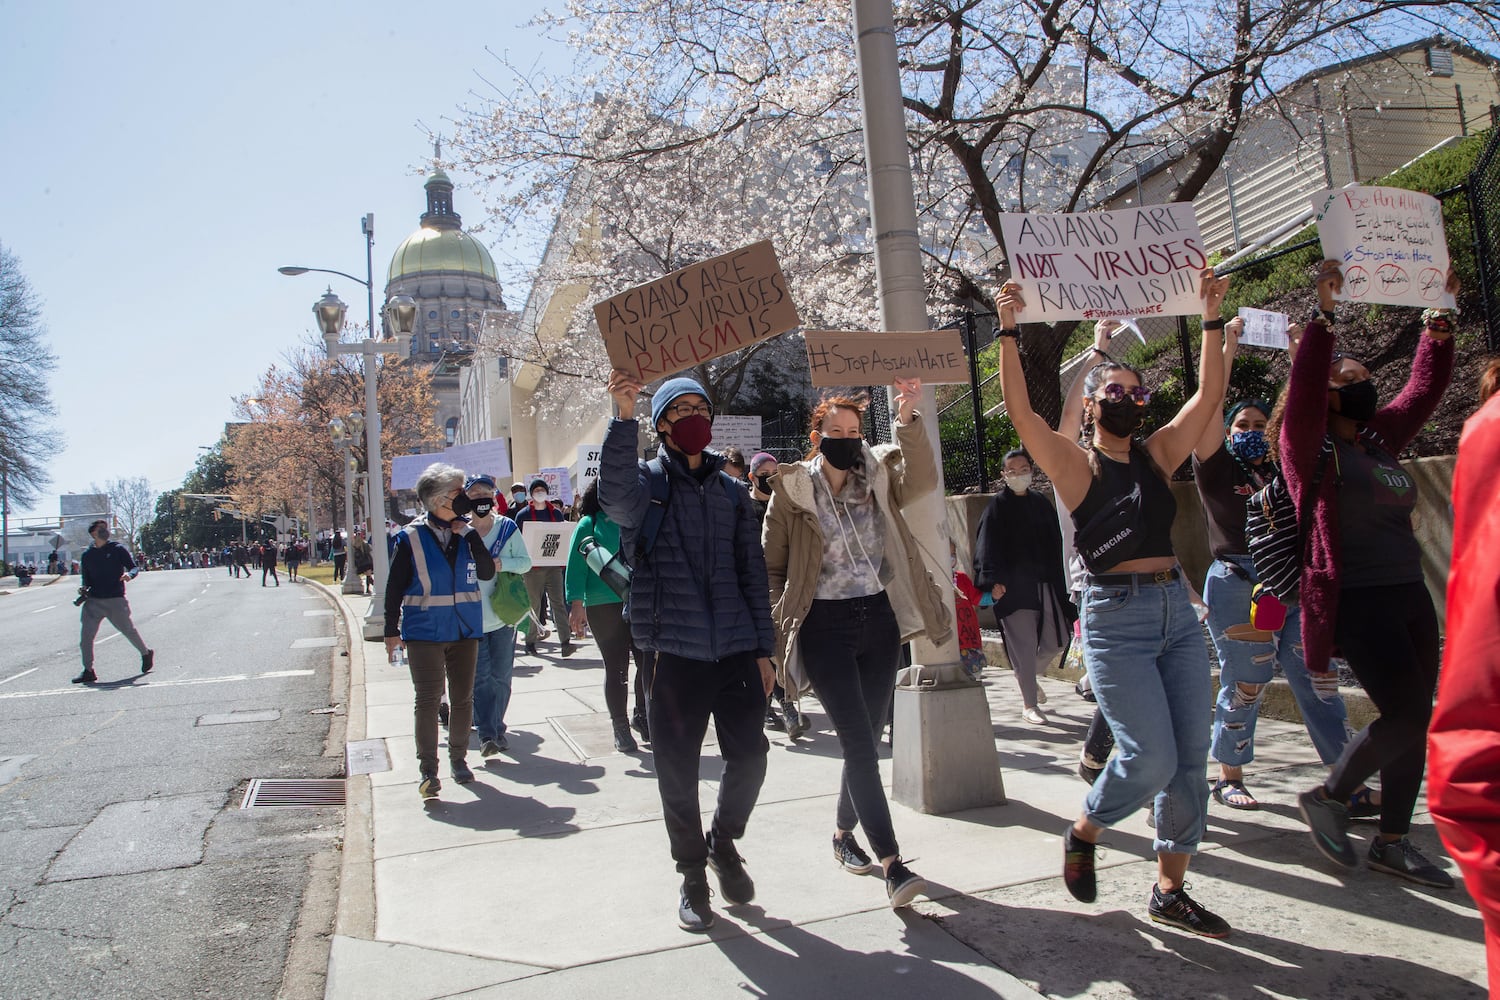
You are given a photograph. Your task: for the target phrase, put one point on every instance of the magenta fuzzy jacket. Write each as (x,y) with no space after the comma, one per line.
(1303,428)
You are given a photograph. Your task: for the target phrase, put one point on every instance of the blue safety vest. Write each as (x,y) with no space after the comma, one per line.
(441,604)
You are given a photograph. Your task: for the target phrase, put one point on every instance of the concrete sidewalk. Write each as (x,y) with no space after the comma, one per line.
(549,876)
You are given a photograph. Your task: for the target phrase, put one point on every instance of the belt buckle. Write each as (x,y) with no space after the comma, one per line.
(1162,576)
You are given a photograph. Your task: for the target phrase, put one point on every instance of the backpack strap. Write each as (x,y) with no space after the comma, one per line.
(660,488)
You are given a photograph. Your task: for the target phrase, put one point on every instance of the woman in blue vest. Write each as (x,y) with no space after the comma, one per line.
(433,593)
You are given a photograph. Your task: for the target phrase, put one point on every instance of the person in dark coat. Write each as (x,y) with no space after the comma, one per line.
(1018,561)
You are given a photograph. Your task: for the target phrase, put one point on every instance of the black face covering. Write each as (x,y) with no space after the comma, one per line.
(483,507)
(1121,418)
(462,505)
(763,483)
(841,453)
(1358,400)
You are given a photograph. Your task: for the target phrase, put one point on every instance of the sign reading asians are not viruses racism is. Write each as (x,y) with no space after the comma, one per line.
(697,313)
(1097,265)
(863,358)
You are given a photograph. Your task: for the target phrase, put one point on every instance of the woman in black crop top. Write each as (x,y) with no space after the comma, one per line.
(1142,643)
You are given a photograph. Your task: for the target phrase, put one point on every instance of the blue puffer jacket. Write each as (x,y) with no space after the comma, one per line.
(702,593)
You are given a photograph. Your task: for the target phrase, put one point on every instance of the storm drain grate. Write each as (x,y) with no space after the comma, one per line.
(265,793)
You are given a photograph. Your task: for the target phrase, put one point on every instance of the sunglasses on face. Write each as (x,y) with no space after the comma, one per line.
(1114,392)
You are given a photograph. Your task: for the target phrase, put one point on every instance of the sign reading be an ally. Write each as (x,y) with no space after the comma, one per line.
(697,313)
(1391,244)
(837,358)
(1100,265)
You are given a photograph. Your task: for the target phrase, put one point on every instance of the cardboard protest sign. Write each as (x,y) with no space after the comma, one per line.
(1095,265)
(1264,328)
(863,358)
(559,484)
(1391,244)
(697,313)
(548,542)
(740,431)
(589,456)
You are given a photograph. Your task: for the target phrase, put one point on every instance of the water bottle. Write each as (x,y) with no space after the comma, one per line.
(610,567)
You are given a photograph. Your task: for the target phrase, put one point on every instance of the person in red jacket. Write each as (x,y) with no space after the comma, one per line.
(1463,771)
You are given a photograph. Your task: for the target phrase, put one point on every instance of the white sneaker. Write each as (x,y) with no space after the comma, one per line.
(1034,716)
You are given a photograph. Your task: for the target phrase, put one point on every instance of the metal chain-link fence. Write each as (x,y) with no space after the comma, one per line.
(1483,190)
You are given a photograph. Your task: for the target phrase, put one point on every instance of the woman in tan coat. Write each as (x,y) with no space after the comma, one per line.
(848,586)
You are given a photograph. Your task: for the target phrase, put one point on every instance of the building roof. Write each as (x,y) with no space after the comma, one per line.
(428,250)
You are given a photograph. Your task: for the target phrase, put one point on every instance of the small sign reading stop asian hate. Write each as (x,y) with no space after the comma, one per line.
(864,358)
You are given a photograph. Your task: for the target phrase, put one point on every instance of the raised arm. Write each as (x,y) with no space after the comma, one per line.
(1402,418)
(1071,421)
(1172,443)
(623,492)
(1058,455)
(1212,438)
(916,473)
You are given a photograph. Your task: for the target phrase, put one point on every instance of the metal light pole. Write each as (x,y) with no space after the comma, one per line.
(340,431)
(400,314)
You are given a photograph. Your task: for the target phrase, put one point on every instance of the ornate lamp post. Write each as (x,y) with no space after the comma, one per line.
(343,433)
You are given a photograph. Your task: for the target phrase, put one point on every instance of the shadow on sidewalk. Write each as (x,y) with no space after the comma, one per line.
(493,809)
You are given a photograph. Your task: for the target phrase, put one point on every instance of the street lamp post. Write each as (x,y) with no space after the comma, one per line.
(400,315)
(340,430)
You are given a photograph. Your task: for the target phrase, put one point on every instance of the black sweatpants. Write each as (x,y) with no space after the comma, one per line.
(684,693)
(1389,636)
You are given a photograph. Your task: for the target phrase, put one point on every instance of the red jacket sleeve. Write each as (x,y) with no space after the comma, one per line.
(1402,418)
(1304,421)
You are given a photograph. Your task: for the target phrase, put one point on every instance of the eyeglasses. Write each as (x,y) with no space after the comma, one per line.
(680,410)
(1114,392)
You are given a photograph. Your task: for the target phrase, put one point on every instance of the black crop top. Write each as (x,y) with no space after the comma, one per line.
(1158,505)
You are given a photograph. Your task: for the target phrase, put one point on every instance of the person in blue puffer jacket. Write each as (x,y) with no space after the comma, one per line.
(700,603)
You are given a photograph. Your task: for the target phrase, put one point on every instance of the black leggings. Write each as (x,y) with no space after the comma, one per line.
(1389,636)
(612,634)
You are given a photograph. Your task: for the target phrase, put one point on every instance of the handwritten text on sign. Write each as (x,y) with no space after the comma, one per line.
(836,358)
(1095,265)
(1391,244)
(697,313)
(1264,328)
(548,542)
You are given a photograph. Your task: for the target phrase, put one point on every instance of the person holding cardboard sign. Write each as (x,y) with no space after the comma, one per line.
(1141,639)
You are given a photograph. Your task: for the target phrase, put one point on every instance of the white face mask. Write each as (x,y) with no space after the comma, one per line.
(1019,482)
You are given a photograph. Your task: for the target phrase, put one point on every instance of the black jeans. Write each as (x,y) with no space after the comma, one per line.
(684,693)
(1389,636)
(612,633)
(850,650)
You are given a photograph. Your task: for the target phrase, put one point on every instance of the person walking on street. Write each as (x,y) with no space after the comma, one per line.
(433,611)
(848,587)
(268,563)
(293,558)
(106,565)
(340,555)
(242,560)
(699,603)
(494,664)
(545,582)
(363,559)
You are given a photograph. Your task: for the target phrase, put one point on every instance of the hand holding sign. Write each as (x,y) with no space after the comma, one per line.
(908,395)
(1212,291)
(626,389)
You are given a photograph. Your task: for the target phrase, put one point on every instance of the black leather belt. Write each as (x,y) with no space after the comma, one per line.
(1136,579)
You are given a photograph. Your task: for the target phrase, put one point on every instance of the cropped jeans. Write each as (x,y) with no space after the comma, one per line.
(1149,666)
(494,667)
(1248,661)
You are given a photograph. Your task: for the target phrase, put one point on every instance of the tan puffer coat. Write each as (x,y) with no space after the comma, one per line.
(793,539)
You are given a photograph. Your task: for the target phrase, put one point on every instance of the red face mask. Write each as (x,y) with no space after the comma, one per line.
(691,434)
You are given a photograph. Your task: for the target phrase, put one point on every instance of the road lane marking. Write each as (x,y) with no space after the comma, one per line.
(191,599)
(166,612)
(21,674)
(181,682)
(47,608)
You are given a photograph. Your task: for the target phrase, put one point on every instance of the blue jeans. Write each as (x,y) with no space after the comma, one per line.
(1243,661)
(1149,666)
(492,677)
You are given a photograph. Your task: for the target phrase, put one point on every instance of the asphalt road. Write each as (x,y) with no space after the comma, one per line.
(127,867)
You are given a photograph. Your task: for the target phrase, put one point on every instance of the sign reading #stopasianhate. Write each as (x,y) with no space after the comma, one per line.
(1390,242)
(1100,265)
(863,358)
(697,313)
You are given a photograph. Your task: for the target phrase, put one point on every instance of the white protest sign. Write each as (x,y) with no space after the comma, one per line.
(489,457)
(1264,328)
(737,431)
(1390,242)
(559,484)
(588,463)
(548,542)
(1096,265)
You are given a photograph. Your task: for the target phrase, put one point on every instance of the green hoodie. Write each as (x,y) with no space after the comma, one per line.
(582,583)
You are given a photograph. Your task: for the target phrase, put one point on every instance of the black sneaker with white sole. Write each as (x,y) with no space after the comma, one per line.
(1328,821)
(429,786)
(693,912)
(735,884)
(1078,868)
(1401,858)
(848,853)
(902,885)
(1178,909)
(461,772)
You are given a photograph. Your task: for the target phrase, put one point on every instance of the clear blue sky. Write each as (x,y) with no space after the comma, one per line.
(164,158)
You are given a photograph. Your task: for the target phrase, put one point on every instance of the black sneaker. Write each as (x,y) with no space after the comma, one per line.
(530,647)
(502,743)
(773,721)
(87,677)
(148,660)
(443,714)
(567,649)
(1401,857)
(488,748)
(735,883)
(461,772)
(847,852)
(1088,770)
(693,912)
(1328,821)
(1078,868)
(1177,909)
(902,885)
(639,723)
(624,742)
(429,786)
(796,722)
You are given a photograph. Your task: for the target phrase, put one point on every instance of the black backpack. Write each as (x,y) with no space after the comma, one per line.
(1276,541)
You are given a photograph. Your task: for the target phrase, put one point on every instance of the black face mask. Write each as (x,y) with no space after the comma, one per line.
(483,507)
(1122,418)
(841,453)
(763,483)
(1358,400)
(462,505)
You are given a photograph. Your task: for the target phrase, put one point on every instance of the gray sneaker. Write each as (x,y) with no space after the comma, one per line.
(1401,857)
(1328,821)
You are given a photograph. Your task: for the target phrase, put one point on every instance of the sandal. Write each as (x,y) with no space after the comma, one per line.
(1362,804)
(1236,790)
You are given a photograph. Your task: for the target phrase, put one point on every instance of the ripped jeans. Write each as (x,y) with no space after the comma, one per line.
(1252,663)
